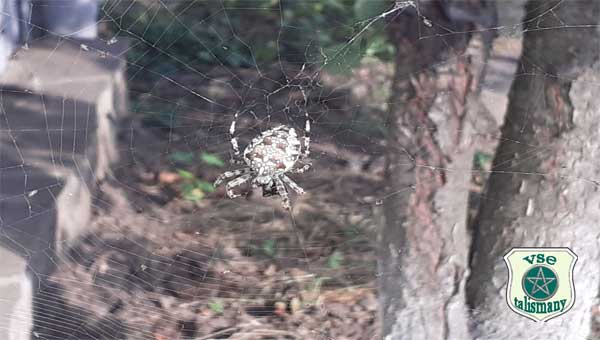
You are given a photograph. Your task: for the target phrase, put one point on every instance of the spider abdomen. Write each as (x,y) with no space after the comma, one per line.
(274,152)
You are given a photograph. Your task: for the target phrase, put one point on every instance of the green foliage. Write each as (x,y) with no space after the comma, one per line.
(192,188)
(212,160)
(380,48)
(171,36)
(342,58)
(335,260)
(174,36)
(205,186)
(192,193)
(367,9)
(216,306)
(186,175)
(338,23)
(483,160)
(269,247)
(155,114)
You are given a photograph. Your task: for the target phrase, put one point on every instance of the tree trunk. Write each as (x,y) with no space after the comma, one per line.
(543,189)
(424,241)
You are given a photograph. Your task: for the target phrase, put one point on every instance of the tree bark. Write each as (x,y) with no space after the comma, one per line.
(543,189)
(424,242)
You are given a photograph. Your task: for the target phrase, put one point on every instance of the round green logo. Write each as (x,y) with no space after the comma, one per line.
(540,283)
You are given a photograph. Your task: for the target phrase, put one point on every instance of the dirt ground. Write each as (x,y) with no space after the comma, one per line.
(158,266)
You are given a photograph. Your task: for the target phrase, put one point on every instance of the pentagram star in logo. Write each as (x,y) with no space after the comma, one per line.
(540,283)
(540,277)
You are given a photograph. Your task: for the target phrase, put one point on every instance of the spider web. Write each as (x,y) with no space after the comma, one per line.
(165,255)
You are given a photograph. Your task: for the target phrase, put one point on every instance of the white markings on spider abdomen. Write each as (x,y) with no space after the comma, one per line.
(275,152)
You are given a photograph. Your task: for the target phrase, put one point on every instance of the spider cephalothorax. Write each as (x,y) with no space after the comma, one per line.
(268,158)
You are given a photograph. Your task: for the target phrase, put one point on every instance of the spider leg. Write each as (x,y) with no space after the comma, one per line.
(236,182)
(230,174)
(281,190)
(292,184)
(235,161)
(306,152)
(234,140)
(277,128)
(302,169)
(306,137)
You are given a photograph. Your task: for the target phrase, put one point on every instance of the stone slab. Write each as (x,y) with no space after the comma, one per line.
(59,101)
(16,297)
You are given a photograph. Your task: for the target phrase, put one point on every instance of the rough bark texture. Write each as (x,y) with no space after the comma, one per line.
(424,240)
(543,190)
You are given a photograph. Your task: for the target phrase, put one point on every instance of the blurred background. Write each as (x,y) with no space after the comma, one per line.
(114,124)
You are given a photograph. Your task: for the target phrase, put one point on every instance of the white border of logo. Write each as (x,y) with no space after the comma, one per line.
(510,278)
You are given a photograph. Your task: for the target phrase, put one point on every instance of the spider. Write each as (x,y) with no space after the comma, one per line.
(268,158)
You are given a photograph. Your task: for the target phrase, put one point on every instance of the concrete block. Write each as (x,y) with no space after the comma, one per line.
(59,101)
(16,297)
(67,18)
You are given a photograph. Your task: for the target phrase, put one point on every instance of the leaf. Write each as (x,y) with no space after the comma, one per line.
(212,159)
(205,186)
(367,9)
(483,160)
(192,189)
(186,158)
(167,177)
(216,306)
(380,47)
(269,247)
(335,260)
(186,174)
(193,194)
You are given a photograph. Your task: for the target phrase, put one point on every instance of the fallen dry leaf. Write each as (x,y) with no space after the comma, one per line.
(167,177)
(280,308)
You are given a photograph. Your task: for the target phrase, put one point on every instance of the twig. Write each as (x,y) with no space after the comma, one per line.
(258,332)
(221,332)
